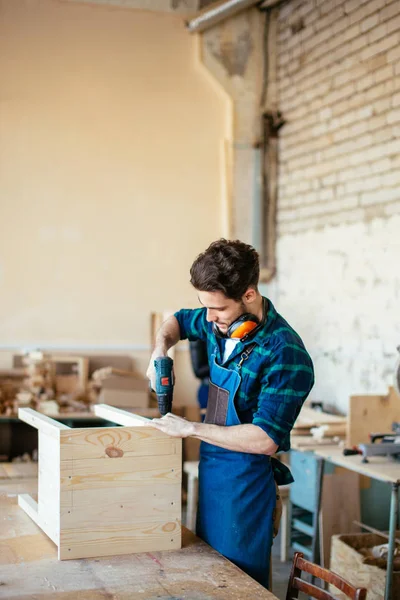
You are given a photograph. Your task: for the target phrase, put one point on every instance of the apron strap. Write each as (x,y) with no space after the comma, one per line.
(245,355)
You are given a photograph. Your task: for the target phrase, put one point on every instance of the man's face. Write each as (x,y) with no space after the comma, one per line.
(221,310)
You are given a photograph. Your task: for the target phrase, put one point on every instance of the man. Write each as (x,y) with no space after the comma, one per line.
(260,375)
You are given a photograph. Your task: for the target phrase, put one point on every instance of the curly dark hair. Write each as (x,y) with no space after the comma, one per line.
(228,266)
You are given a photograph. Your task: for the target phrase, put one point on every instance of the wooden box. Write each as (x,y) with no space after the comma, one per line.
(106,490)
(371,414)
(348,562)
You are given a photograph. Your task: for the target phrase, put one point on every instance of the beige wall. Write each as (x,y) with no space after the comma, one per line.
(111,171)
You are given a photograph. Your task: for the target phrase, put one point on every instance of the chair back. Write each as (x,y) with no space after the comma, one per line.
(297,584)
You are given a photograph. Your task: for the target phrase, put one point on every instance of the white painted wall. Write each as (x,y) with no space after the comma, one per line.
(340,288)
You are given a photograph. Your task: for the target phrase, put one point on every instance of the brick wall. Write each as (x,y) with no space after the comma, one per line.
(339,91)
(338,248)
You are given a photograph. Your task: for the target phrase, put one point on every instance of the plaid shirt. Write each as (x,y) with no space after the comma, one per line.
(275,379)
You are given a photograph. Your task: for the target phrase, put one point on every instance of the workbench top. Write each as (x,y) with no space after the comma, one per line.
(29,567)
(382,468)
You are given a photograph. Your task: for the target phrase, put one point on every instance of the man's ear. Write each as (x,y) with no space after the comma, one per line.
(249,296)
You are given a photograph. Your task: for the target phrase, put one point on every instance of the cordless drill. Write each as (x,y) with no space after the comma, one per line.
(164,383)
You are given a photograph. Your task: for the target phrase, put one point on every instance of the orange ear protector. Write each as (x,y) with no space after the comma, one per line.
(242,327)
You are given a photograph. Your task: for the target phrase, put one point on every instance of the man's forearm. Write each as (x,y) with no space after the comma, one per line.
(239,438)
(168,335)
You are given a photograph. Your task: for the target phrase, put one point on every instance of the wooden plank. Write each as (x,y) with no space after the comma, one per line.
(3,471)
(309,442)
(340,506)
(371,414)
(30,506)
(309,417)
(16,470)
(80,507)
(114,442)
(19,486)
(122,417)
(104,540)
(49,485)
(123,472)
(41,422)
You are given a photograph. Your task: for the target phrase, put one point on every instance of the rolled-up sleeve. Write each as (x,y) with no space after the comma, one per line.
(192,324)
(286,382)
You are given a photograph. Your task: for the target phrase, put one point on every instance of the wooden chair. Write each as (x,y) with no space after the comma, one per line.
(296,584)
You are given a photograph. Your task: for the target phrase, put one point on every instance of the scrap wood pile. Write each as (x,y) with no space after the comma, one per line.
(53,384)
(377,555)
(320,425)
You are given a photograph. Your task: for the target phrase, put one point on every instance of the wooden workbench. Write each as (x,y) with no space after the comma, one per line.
(380,468)
(29,567)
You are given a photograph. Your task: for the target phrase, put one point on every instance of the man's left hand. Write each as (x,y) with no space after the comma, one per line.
(174,426)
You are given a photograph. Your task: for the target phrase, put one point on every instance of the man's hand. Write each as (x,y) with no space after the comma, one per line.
(174,426)
(151,372)
(167,336)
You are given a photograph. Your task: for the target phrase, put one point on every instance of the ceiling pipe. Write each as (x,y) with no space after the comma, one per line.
(216,13)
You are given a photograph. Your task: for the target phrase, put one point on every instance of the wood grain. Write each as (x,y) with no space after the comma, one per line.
(133,441)
(117,415)
(122,472)
(371,414)
(30,506)
(39,421)
(29,568)
(106,540)
(108,490)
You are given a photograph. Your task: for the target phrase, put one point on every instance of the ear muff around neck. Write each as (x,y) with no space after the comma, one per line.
(242,327)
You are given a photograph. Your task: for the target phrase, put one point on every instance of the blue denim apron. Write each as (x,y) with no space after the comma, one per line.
(237,495)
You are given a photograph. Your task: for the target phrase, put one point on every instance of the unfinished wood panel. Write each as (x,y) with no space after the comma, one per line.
(144,465)
(371,414)
(378,467)
(81,507)
(340,506)
(103,442)
(49,485)
(113,540)
(121,472)
(17,470)
(30,506)
(39,421)
(348,562)
(122,417)
(310,417)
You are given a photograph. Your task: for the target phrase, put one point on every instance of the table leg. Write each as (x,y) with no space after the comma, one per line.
(315,545)
(284,529)
(192,501)
(394,514)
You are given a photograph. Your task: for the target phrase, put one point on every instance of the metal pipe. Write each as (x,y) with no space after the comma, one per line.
(217,13)
(394,516)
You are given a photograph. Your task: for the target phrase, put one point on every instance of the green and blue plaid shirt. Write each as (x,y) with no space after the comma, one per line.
(276,378)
